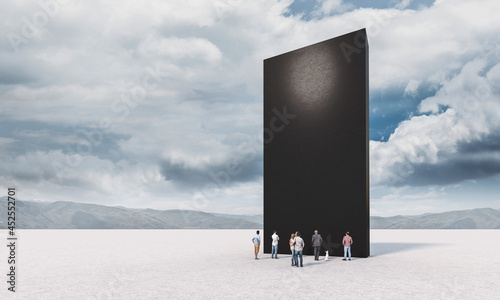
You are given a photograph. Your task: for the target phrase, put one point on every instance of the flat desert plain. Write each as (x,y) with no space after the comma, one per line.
(219,264)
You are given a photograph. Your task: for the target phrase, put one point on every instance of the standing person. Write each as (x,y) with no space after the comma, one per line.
(299,247)
(292,247)
(347,242)
(316,243)
(274,249)
(256,243)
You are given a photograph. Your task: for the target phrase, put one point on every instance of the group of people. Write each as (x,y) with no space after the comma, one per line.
(297,245)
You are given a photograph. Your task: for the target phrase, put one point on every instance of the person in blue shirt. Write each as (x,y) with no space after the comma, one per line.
(256,243)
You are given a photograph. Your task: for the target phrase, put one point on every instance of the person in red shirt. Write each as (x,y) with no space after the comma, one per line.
(347,242)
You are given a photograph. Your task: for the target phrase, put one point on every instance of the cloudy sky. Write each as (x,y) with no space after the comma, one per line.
(159,103)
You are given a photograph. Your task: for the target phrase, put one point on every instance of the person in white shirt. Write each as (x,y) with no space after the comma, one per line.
(274,250)
(291,242)
(299,248)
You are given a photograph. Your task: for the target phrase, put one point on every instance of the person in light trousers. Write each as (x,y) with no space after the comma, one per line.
(274,249)
(347,242)
(299,248)
(292,247)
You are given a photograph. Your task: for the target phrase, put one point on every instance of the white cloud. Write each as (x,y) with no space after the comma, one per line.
(469,117)
(327,7)
(6,141)
(403,4)
(412,87)
(178,49)
(428,44)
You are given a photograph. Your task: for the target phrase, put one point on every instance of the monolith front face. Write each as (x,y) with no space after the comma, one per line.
(316,145)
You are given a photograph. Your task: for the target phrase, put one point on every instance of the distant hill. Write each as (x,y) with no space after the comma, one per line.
(196,219)
(385,222)
(71,215)
(480,218)
(259,219)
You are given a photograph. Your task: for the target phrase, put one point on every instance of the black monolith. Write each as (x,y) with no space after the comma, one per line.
(316,169)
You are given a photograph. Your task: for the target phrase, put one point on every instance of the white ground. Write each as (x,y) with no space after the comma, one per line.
(219,264)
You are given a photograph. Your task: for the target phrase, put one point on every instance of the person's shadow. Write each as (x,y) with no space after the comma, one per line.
(377,249)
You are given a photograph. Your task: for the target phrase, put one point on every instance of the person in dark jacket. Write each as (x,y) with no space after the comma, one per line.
(316,243)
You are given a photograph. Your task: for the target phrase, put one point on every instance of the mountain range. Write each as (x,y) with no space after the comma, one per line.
(479,218)
(71,215)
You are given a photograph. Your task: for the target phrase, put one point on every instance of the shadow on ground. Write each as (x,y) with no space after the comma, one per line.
(377,249)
